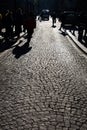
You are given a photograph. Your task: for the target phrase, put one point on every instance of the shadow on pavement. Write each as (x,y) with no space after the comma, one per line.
(53,26)
(63,33)
(4,45)
(19,51)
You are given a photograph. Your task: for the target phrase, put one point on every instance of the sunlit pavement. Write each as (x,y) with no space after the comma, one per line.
(44,87)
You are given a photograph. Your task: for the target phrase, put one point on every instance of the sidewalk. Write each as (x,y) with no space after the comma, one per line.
(75,40)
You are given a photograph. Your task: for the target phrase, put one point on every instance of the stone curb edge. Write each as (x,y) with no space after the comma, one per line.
(84,49)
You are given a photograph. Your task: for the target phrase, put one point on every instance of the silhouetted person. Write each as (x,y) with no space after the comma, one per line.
(80,27)
(53,18)
(0,22)
(24,19)
(62,20)
(85,21)
(73,22)
(8,21)
(85,34)
(18,22)
(29,24)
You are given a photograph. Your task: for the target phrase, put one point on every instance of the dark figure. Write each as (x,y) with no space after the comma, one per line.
(29,24)
(24,20)
(85,34)
(80,27)
(18,22)
(8,22)
(73,22)
(62,18)
(0,22)
(80,33)
(85,30)
(53,18)
(40,17)
(85,21)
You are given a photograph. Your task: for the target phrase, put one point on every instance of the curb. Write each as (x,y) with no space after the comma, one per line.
(82,47)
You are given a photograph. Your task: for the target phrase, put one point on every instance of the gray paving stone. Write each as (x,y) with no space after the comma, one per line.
(46,88)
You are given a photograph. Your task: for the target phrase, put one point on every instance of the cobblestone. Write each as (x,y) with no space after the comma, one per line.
(46,88)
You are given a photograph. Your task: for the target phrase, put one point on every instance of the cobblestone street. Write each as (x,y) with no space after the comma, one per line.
(45,88)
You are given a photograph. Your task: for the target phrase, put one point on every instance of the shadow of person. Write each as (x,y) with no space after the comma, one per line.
(63,33)
(53,26)
(4,45)
(19,51)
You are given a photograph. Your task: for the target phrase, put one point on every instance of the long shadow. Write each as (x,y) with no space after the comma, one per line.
(5,45)
(19,51)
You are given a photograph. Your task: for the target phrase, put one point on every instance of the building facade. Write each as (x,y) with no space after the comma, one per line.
(38,5)
(57,5)
(14,4)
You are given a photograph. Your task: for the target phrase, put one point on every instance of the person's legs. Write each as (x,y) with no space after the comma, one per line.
(61,26)
(52,22)
(29,34)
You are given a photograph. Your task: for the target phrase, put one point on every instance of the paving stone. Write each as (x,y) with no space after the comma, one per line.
(45,88)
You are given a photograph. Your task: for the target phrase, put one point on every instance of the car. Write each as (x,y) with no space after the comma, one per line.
(44,15)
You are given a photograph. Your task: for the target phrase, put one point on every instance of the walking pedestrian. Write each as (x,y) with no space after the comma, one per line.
(0,22)
(29,24)
(8,21)
(18,22)
(53,19)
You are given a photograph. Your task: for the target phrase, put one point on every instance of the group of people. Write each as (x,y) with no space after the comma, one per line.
(15,23)
(74,21)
